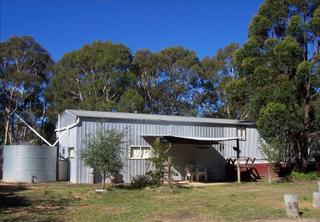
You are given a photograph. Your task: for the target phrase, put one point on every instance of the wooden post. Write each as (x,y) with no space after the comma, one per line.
(238,162)
(316,199)
(291,204)
(319,186)
(169,171)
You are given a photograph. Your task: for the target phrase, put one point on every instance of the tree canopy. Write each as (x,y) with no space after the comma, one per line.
(277,72)
(25,71)
(92,78)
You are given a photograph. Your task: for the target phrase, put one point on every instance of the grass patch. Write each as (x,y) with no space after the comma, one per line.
(303,176)
(230,202)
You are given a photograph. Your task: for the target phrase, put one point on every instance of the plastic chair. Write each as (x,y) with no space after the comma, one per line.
(201,170)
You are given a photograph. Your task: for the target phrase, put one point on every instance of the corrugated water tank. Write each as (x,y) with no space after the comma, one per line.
(63,170)
(24,163)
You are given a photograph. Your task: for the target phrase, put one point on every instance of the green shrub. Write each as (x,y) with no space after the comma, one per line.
(303,176)
(149,179)
(139,182)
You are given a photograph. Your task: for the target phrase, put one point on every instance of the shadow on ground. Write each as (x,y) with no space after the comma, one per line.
(8,197)
(15,206)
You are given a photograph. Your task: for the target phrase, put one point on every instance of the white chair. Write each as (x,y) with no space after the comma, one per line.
(201,170)
(189,169)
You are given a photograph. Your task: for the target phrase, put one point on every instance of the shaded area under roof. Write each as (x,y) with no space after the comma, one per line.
(153,117)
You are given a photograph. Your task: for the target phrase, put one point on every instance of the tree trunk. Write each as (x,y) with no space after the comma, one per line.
(103,180)
(270,172)
(6,131)
(303,153)
(306,126)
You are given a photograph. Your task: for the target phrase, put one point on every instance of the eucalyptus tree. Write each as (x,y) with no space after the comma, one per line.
(168,80)
(278,74)
(215,72)
(93,77)
(25,70)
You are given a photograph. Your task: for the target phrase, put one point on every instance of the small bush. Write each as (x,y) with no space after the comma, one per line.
(139,182)
(303,176)
(149,179)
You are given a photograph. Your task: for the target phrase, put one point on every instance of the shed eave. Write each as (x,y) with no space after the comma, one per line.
(159,118)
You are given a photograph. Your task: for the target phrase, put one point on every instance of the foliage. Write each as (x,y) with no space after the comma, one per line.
(273,151)
(215,73)
(93,77)
(274,154)
(159,162)
(151,178)
(130,101)
(168,80)
(103,153)
(25,70)
(303,176)
(140,181)
(277,72)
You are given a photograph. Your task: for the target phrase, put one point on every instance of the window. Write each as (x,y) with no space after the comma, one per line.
(135,152)
(71,152)
(241,132)
(140,152)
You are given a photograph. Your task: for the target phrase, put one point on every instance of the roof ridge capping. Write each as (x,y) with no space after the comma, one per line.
(157,117)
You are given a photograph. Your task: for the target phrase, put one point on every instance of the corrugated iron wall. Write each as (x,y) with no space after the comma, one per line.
(134,129)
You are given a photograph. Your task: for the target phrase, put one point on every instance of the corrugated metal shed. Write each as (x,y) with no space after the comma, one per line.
(137,125)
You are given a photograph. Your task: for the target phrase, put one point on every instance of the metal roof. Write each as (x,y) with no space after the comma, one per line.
(153,117)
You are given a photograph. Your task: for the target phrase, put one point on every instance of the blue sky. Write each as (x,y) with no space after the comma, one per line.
(61,26)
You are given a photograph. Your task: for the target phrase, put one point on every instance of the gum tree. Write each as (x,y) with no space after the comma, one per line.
(278,74)
(25,70)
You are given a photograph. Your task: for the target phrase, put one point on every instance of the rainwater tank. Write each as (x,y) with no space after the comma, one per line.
(63,170)
(24,163)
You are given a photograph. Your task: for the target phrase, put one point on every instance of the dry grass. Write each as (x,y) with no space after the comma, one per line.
(257,201)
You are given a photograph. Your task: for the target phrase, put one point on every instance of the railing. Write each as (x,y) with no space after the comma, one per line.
(249,162)
(247,166)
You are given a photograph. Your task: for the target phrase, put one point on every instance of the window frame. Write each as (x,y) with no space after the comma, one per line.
(71,150)
(140,147)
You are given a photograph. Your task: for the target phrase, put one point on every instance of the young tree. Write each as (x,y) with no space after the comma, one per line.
(103,153)
(273,152)
(159,159)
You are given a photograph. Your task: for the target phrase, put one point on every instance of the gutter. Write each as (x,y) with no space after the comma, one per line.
(65,129)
